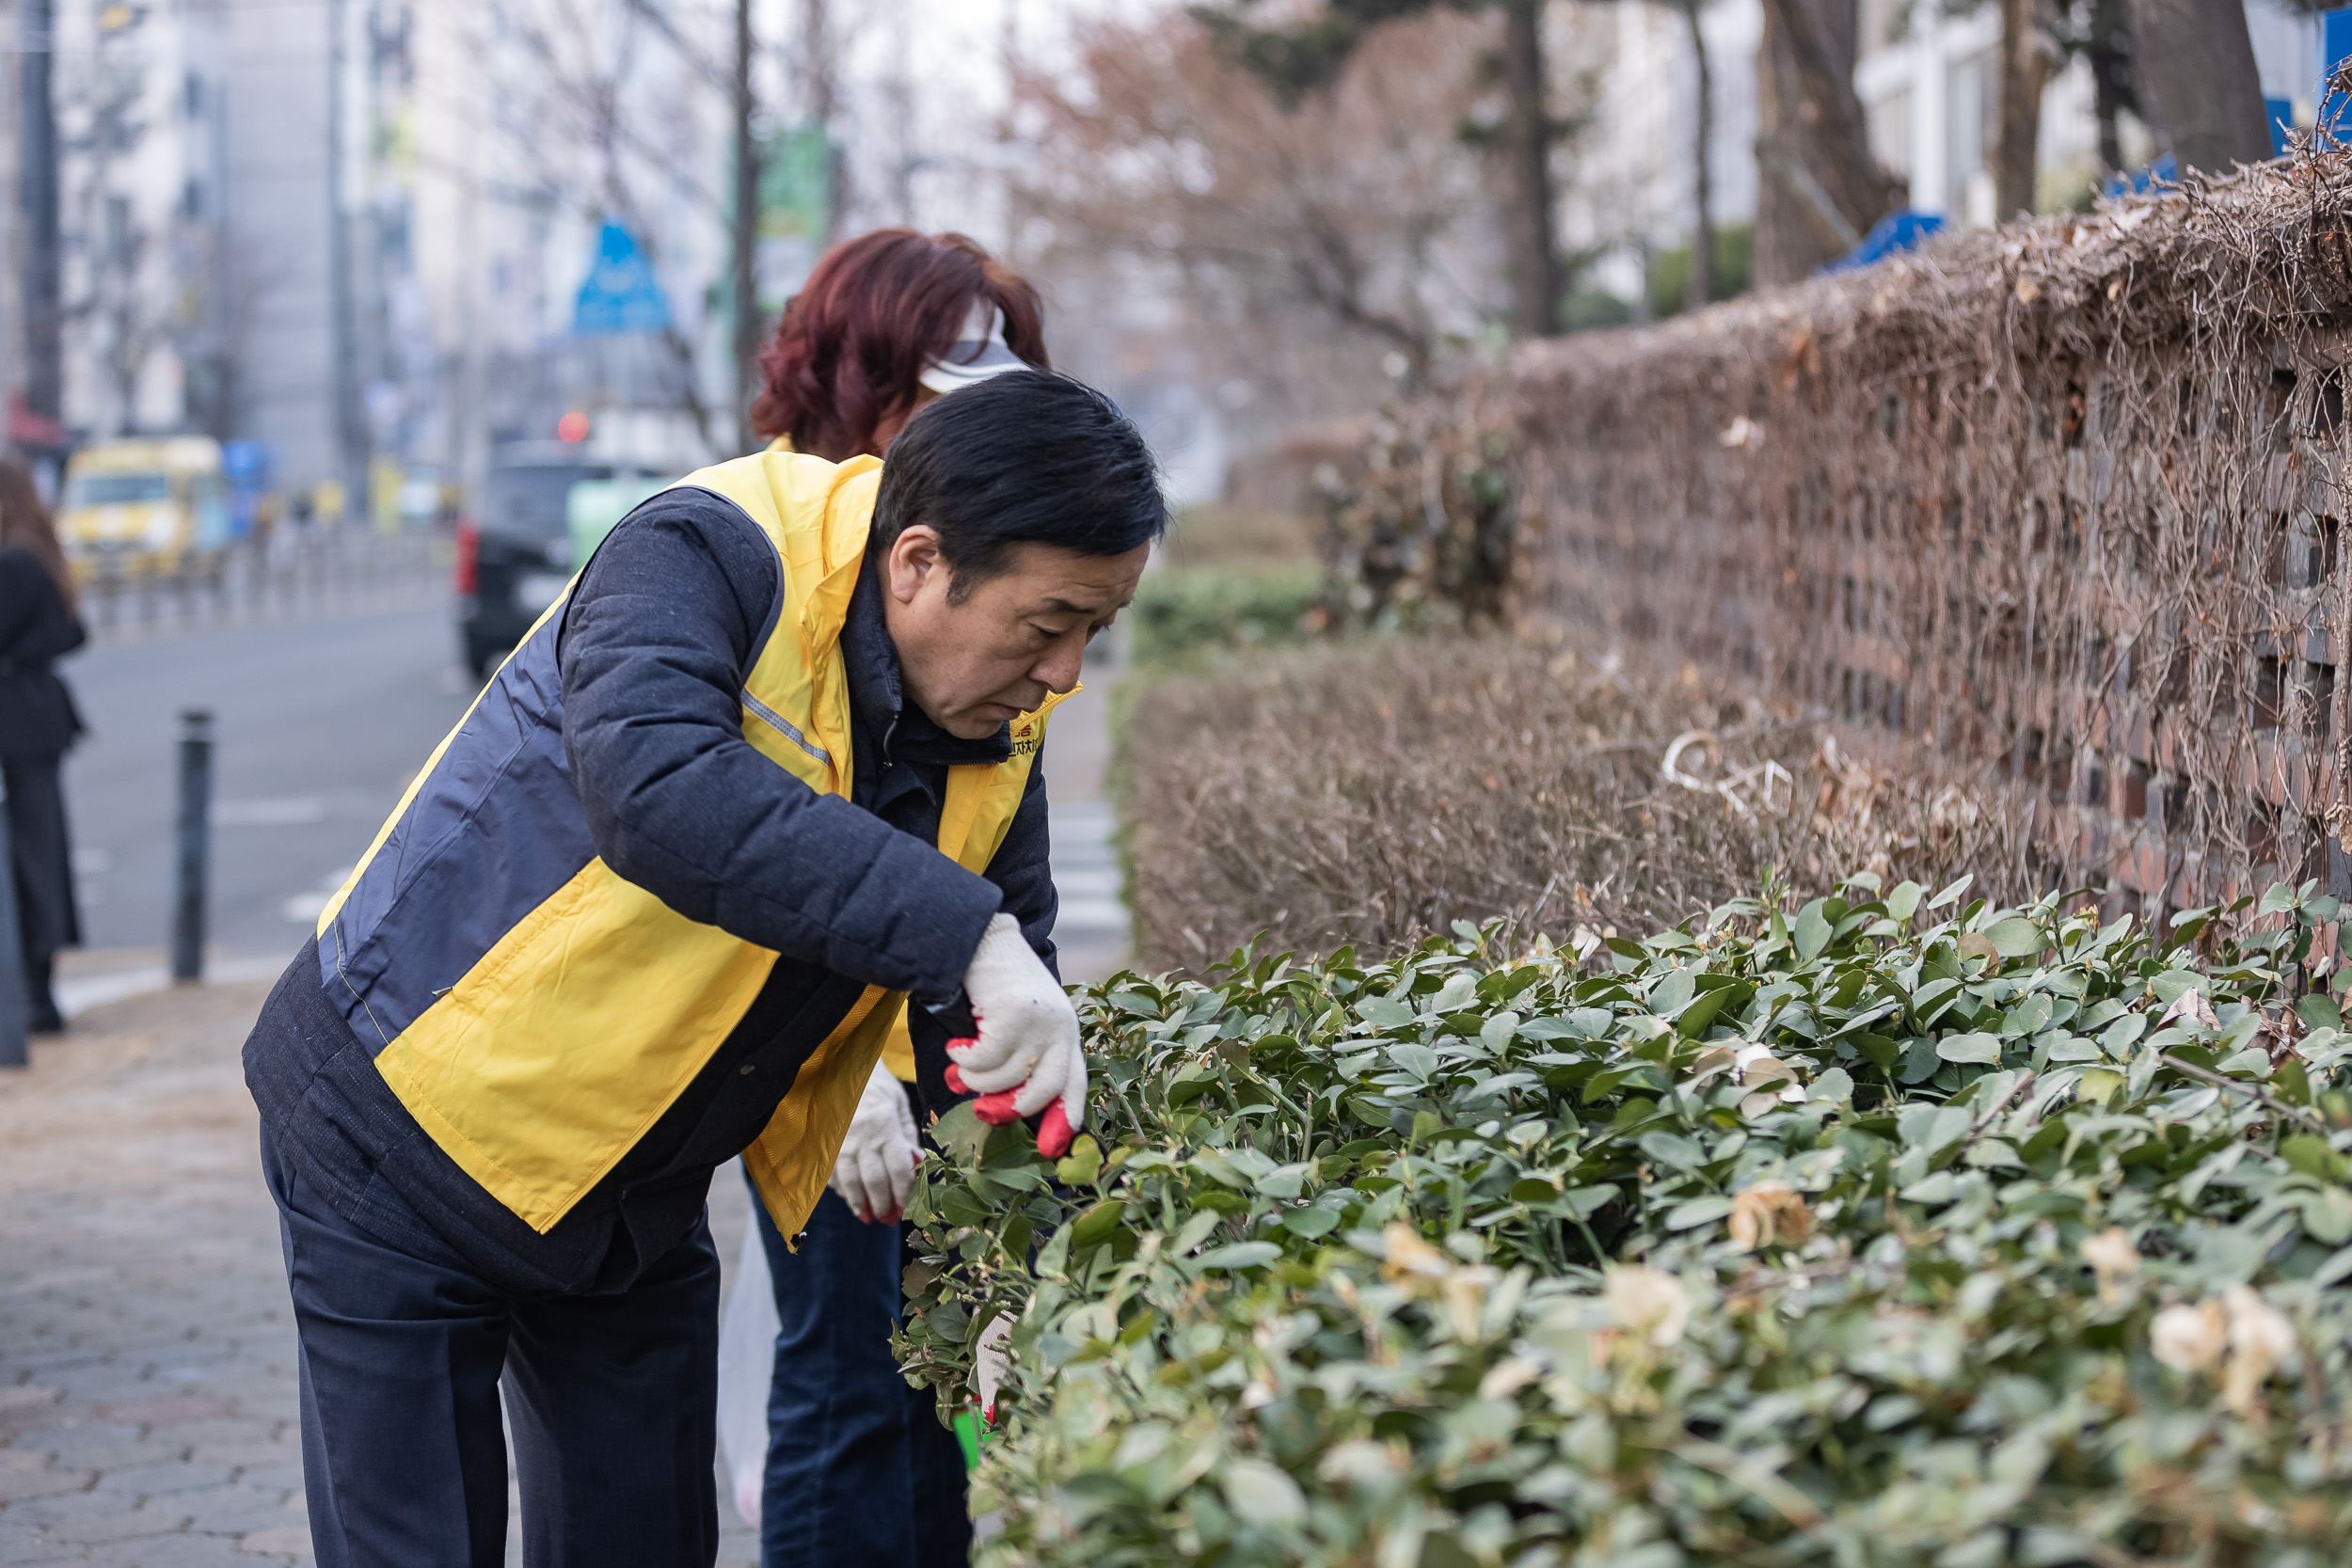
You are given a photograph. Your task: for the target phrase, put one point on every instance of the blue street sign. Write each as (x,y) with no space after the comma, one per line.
(621,293)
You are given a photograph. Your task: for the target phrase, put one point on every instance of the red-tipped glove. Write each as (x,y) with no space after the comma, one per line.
(1026,1057)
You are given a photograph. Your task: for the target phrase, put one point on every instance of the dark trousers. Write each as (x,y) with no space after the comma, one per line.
(43,871)
(860,1472)
(612,1401)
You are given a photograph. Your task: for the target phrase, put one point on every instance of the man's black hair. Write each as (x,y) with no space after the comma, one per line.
(1027,457)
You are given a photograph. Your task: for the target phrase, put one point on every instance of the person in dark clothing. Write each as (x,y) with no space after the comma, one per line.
(37,722)
(650,906)
(859,1472)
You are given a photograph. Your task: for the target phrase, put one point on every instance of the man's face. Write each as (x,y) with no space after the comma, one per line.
(974,665)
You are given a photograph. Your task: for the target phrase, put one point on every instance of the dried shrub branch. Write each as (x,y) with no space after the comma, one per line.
(1369,793)
(2063,498)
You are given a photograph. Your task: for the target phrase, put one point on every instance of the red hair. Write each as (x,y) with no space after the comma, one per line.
(842,372)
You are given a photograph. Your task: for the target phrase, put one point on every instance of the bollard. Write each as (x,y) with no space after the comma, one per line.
(15,1004)
(196,828)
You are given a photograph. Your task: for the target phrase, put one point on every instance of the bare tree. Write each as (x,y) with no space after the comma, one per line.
(118,304)
(1820,189)
(214,332)
(1702,285)
(2029,52)
(2197,75)
(604,142)
(1310,244)
(1305,55)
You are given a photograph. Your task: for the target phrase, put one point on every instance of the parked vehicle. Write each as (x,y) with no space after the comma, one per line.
(145,508)
(515,553)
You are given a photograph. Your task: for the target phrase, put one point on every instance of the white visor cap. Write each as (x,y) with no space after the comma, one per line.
(978,353)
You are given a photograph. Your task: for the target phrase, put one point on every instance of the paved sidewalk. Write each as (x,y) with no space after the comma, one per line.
(147,1375)
(147,1385)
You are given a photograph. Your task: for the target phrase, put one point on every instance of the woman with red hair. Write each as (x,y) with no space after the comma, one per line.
(885,323)
(841,1464)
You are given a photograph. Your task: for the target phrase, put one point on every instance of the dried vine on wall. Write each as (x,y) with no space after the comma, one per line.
(2058,503)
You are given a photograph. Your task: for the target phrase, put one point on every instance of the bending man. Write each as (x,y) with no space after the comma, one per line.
(656,902)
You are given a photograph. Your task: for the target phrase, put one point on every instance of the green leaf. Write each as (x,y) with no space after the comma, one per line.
(962,1133)
(2015,938)
(2311,1156)
(1419,1060)
(1097,1222)
(1380,1013)
(1082,1164)
(1951,893)
(1459,991)
(1263,1495)
(1812,932)
(1239,1255)
(1671,1148)
(1832,1087)
(2317,1012)
(1983,1049)
(1698,1212)
(1903,902)
(1310,1222)
(1498,1031)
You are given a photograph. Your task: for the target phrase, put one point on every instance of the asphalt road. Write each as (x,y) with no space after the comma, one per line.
(318,724)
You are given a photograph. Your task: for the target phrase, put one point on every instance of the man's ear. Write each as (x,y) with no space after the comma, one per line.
(913,556)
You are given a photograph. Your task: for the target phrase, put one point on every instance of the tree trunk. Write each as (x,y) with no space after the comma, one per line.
(1702,287)
(1820,188)
(2026,55)
(2196,80)
(2110,78)
(1535,248)
(36,195)
(746,235)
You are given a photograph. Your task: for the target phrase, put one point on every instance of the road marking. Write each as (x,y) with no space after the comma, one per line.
(304,908)
(288,811)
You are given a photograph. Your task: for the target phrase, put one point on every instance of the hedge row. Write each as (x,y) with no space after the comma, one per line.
(1894,1229)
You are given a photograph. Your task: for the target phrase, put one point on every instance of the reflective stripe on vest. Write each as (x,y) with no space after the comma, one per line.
(535,1012)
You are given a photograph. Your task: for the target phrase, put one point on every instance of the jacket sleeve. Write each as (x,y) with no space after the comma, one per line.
(656,643)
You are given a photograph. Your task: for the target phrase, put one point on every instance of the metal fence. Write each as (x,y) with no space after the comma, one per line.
(292,571)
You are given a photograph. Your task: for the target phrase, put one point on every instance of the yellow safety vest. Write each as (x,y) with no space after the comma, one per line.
(537,1050)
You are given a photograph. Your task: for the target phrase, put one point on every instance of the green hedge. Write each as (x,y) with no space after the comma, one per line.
(1893,1231)
(1182,610)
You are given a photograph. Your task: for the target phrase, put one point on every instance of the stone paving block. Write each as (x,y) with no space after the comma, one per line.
(282,1542)
(232,1511)
(172,1551)
(282,1481)
(164,1481)
(18,1485)
(23,1544)
(101,1444)
(93,1518)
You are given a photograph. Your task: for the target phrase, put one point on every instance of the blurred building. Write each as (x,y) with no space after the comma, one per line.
(207,158)
(515,156)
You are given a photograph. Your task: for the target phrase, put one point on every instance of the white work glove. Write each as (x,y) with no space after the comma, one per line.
(876,1170)
(1026,1058)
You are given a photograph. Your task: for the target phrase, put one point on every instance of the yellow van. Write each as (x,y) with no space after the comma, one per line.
(145,508)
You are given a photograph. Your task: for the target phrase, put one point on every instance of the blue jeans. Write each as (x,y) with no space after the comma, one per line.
(860,1472)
